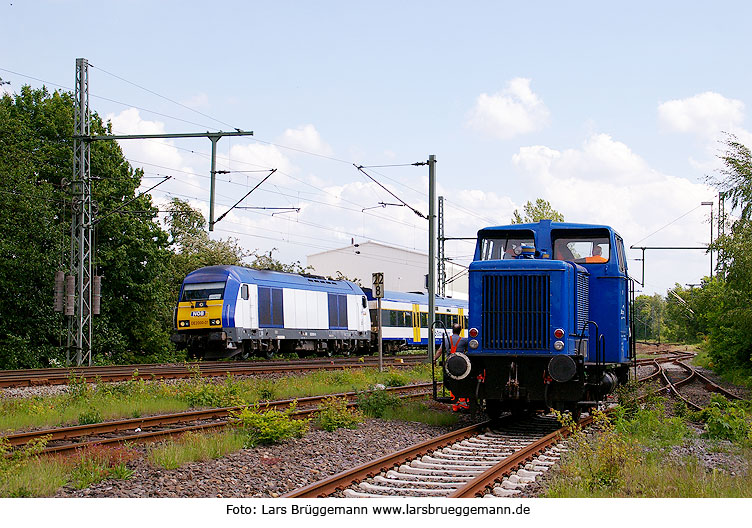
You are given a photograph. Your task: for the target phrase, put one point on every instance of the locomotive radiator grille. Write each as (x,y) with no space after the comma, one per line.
(516,312)
(582,315)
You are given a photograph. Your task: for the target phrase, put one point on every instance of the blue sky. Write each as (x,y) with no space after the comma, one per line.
(612,113)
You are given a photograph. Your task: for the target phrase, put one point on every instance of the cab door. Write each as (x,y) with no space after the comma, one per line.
(416,323)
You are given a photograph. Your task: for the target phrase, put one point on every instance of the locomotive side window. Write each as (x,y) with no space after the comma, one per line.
(583,250)
(205,291)
(270,307)
(337,311)
(620,254)
(506,245)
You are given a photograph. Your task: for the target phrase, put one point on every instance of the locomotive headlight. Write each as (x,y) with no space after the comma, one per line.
(214,322)
(558,333)
(473,332)
(184,323)
(473,343)
(559,345)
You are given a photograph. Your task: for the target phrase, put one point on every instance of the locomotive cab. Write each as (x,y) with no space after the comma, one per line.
(549,319)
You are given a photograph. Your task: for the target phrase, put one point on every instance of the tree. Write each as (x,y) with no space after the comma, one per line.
(36,157)
(191,247)
(648,312)
(541,210)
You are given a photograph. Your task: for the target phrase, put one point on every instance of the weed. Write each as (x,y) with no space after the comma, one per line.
(334,414)
(268,427)
(726,420)
(376,403)
(98,462)
(90,416)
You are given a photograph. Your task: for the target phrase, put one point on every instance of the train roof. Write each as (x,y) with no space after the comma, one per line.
(543,225)
(274,279)
(416,298)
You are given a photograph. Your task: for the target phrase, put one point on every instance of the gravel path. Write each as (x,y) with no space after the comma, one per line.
(268,471)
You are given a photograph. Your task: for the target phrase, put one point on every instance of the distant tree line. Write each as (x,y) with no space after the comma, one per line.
(142,261)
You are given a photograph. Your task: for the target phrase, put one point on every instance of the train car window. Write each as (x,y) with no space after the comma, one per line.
(204,291)
(423,320)
(337,311)
(365,303)
(583,249)
(374,318)
(503,247)
(244,292)
(270,307)
(393,318)
(408,319)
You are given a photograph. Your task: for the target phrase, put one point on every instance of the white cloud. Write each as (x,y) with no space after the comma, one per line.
(305,137)
(706,115)
(605,182)
(513,111)
(153,155)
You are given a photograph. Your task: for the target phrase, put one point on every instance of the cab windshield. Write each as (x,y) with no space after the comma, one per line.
(205,291)
(504,247)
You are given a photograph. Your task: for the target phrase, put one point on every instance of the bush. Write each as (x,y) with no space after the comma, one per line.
(90,416)
(376,403)
(200,392)
(726,420)
(268,427)
(334,414)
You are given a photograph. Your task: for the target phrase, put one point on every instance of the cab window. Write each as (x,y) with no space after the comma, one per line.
(583,250)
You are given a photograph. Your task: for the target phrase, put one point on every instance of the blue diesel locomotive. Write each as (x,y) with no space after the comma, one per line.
(550,322)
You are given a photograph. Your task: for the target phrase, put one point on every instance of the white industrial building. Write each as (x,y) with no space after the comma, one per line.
(404,270)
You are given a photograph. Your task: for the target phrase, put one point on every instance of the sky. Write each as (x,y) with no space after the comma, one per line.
(615,114)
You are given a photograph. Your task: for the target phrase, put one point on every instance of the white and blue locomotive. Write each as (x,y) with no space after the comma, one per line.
(229,311)
(238,312)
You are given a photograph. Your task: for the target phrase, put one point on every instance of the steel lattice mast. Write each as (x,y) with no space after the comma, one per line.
(80,324)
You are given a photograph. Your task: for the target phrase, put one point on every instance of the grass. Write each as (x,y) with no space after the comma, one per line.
(637,453)
(25,474)
(192,447)
(421,412)
(84,403)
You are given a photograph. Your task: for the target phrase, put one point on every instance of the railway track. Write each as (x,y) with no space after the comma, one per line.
(61,376)
(478,460)
(685,383)
(154,428)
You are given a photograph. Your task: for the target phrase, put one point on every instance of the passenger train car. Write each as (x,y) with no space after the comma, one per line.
(550,322)
(227,311)
(404,318)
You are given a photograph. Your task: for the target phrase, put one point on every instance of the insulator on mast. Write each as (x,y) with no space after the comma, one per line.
(70,294)
(96,294)
(59,298)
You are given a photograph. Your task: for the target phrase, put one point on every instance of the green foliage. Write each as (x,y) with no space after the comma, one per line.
(205,392)
(376,403)
(269,426)
(535,212)
(727,420)
(598,458)
(90,416)
(36,156)
(648,316)
(334,413)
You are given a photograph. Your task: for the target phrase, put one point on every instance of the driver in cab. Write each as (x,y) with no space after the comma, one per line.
(596,257)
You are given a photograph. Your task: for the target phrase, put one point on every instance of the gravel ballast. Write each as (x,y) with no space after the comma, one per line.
(267,471)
